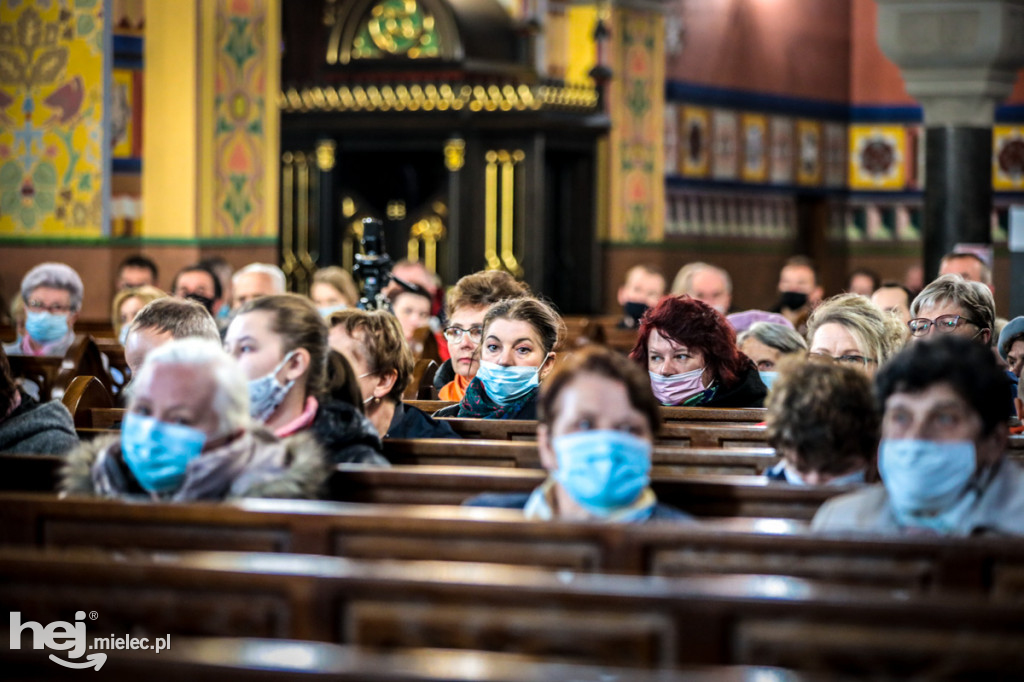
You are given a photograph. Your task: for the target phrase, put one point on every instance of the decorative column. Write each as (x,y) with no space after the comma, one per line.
(959,60)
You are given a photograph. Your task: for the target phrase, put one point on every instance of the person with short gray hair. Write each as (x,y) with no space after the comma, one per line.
(52,294)
(187,436)
(255,280)
(705,282)
(953,305)
(765,343)
(161,321)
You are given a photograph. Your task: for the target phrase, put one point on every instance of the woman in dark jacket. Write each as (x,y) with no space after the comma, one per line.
(373,344)
(690,353)
(28,427)
(280,343)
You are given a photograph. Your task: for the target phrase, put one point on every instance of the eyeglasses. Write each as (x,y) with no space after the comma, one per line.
(454,334)
(944,324)
(847,360)
(56,308)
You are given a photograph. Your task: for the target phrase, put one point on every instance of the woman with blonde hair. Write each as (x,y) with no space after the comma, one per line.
(852,331)
(126,305)
(333,289)
(296,382)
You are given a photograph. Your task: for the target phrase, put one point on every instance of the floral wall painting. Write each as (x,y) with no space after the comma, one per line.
(51,118)
(782,146)
(808,135)
(878,157)
(695,133)
(726,150)
(755,142)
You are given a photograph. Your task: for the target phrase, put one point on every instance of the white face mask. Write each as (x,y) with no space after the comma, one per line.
(266,393)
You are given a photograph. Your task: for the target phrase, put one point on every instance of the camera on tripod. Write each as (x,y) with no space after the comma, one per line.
(373,266)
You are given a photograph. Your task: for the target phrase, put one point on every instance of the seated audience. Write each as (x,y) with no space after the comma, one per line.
(822,420)
(643,287)
(163,320)
(690,352)
(953,305)
(28,427)
(127,304)
(595,437)
(519,338)
(942,454)
(187,436)
(1011,345)
(136,271)
(799,290)
(850,330)
(467,303)
(333,289)
(894,298)
(766,343)
(255,280)
(280,342)
(862,281)
(411,306)
(52,295)
(416,272)
(706,283)
(373,344)
(200,284)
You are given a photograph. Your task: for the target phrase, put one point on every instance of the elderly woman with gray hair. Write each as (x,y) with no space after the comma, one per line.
(187,436)
(766,342)
(52,294)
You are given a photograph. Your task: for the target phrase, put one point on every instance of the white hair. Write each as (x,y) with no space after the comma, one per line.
(55,276)
(231,400)
(683,283)
(276,275)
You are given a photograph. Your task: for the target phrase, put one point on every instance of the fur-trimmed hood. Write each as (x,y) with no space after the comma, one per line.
(255,464)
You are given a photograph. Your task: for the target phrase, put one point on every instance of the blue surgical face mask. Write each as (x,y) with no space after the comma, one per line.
(46,327)
(325,311)
(925,477)
(602,470)
(266,393)
(157,453)
(505,384)
(122,336)
(768,378)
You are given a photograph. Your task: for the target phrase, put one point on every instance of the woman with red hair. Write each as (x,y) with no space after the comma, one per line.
(689,350)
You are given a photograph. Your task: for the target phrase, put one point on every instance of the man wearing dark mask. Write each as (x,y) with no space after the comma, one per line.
(644,287)
(942,455)
(799,291)
(199,284)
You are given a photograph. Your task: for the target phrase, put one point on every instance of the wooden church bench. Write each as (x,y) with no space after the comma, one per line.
(594,619)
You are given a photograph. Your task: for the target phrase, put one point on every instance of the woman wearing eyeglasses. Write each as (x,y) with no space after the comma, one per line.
(467,304)
(52,295)
(953,305)
(852,331)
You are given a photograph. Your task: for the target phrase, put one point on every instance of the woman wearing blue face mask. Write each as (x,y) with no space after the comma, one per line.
(597,424)
(52,295)
(333,289)
(281,344)
(690,353)
(187,436)
(823,422)
(517,350)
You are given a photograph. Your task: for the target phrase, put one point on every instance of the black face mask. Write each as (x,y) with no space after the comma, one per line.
(793,300)
(201,300)
(633,312)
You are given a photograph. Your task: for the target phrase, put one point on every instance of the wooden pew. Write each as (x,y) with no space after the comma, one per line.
(248,659)
(54,374)
(669,414)
(422,383)
(701,495)
(665,458)
(593,619)
(987,566)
